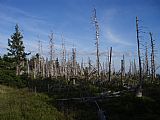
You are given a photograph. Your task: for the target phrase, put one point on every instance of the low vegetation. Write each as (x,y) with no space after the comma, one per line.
(19,104)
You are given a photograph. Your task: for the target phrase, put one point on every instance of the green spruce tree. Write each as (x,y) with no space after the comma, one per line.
(16,50)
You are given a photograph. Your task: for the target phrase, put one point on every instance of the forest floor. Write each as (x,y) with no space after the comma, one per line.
(20,104)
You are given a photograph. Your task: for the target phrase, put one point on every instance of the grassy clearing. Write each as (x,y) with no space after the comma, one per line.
(19,104)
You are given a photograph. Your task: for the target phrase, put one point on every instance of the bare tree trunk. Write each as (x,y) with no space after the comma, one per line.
(110,62)
(152,58)
(43,68)
(35,69)
(74,62)
(52,56)
(97,42)
(47,68)
(63,61)
(122,70)
(139,91)
(68,68)
(135,68)
(146,62)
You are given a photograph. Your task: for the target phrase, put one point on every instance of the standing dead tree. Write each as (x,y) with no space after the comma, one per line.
(47,70)
(81,68)
(39,59)
(52,66)
(63,61)
(146,61)
(152,58)
(74,63)
(97,42)
(51,43)
(139,90)
(122,70)
(107,62)
(68,66)
(134,68)
(110,63)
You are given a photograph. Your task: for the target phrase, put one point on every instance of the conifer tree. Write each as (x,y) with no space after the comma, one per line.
(16,49)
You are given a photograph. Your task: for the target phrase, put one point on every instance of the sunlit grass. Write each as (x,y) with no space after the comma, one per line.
(18,104)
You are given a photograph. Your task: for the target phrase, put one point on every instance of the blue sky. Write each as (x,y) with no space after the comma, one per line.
(72,18)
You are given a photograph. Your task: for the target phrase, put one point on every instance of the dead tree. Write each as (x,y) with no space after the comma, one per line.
(40,60)
(63,61)
(35,68)
(139,89)
(110,62)
(113,68)
(134,68)
(36,64)
(74,63)
(152,58)
(97,42)
(106,64)
(146,62)
(68,67)
(47,68)
(43,68)
(51,43)
(81,68)
(130,68)
(39,56)
(122,70)
(89,66)
(103,69)
(52,68)
(82,64)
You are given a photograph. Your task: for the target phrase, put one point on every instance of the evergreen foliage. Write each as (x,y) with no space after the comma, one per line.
(16,49)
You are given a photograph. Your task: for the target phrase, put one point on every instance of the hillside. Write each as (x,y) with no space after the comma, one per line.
(22,105)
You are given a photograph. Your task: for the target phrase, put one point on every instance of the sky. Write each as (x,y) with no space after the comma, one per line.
(73,19)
